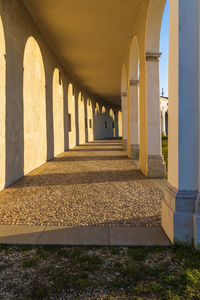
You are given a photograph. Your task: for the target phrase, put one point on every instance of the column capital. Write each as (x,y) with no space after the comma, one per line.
(124,94)
(134,82)
(150,56)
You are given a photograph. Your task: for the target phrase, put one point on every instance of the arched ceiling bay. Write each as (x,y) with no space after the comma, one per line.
(90,37)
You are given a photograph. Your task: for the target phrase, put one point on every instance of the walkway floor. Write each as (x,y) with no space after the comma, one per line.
(89,194)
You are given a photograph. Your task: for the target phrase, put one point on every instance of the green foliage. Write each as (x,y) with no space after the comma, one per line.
(165,149)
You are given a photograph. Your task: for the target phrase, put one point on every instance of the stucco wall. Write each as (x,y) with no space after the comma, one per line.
(34,102)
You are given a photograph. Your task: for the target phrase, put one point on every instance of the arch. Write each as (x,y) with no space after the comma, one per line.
(81,118)
(71,117)
(35,137)
(58,113)
(151,162)
(120,123)
(112,116)
(90,120)
(2,106)
(103,110)
(153,25)
(97,109)
(134,60)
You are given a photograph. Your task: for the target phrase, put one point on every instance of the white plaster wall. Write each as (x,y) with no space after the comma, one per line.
(58,114)
(35,142)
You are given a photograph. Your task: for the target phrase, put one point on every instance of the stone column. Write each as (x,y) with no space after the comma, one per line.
(163,127)
(180,208)
(134,119)
(124,120)
(156,165)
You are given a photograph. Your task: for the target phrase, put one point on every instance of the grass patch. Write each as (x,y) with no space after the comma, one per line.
(165,149)
(100,272)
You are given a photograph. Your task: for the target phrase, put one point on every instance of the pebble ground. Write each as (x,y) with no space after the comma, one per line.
(93,184)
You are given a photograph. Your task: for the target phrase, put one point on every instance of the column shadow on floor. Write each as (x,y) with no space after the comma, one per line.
(89,158)
(79,178)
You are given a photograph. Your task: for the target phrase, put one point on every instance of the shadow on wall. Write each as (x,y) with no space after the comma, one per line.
(105,122)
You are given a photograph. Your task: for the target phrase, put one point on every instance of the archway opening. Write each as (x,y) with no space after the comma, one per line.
(2,106)
(164,69)
(120,123)
(113,125)
(35,140)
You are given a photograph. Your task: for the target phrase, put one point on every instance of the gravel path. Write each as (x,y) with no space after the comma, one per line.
(93,184)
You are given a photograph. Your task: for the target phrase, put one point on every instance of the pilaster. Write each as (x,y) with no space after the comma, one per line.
(156,165)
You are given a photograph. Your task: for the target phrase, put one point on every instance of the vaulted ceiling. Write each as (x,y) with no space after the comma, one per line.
(90,37)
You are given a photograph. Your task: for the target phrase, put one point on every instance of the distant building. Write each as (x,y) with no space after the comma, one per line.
(164,115)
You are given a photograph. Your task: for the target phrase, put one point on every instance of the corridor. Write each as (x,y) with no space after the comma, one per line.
(94,184)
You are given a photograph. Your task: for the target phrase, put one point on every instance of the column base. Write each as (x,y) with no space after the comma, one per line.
(135,151)
(178,219)
(196,226)
(124,142)
(156,166)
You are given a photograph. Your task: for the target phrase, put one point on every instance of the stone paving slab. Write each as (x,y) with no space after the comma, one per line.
(138,236)
(20,234)
(63,235)
(82,236)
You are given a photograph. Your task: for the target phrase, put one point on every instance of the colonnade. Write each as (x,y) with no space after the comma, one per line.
(43,112)
(181,204)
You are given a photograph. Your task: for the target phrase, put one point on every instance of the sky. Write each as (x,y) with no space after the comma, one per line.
(164,48)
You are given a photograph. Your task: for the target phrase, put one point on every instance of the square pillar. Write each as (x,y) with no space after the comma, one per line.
(124,120)
(180,207)
(134,119)
(155,162)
